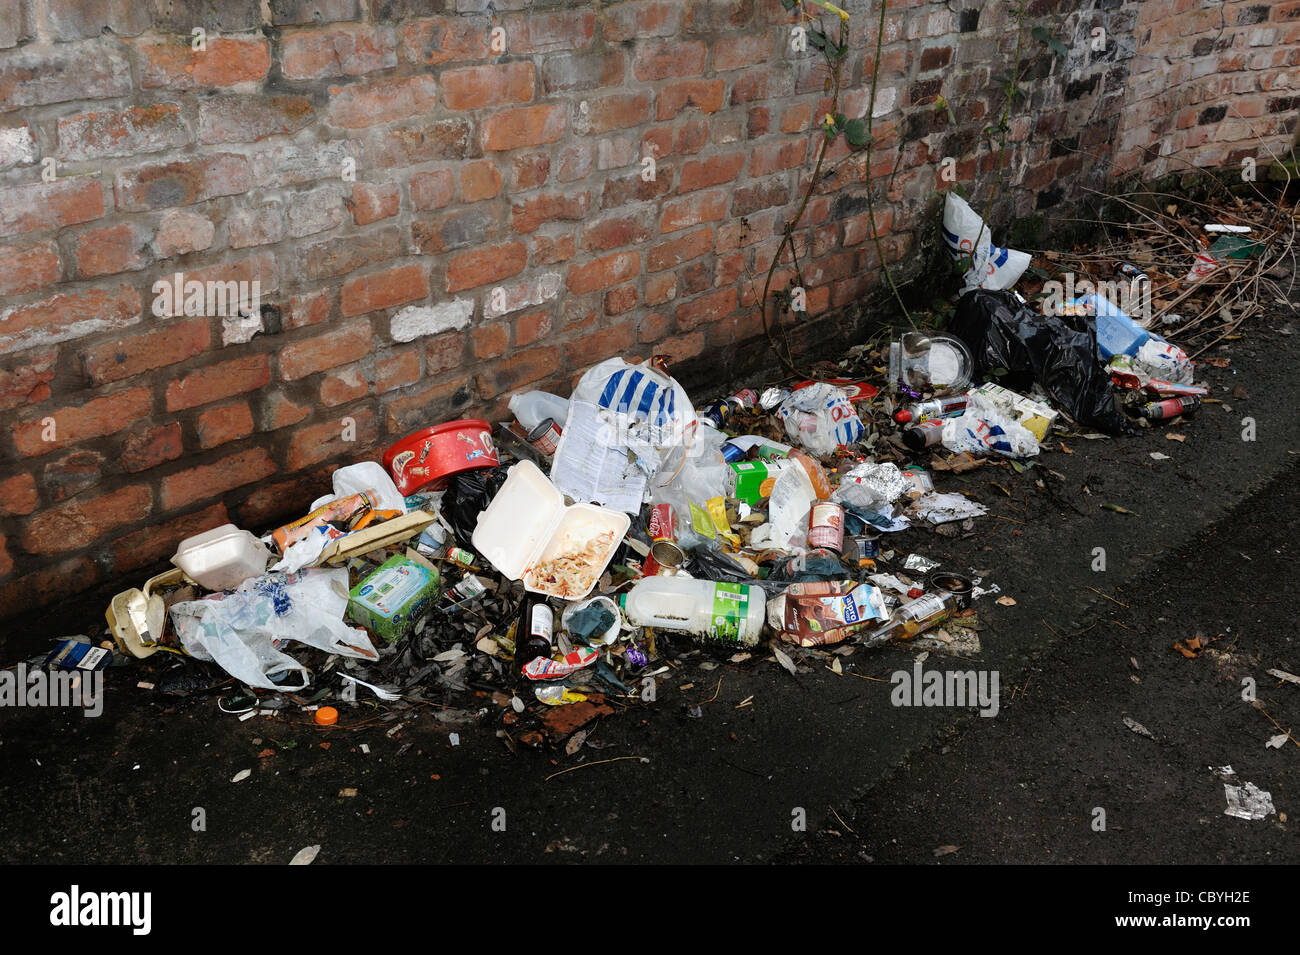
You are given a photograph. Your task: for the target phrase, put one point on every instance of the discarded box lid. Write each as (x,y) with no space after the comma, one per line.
(527,523)
(428,458)
(377,535)
(221,558)
(137,617)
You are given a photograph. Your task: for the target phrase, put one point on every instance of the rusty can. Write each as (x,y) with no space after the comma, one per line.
(826,526)
(746,398)
(663,536)
(545,437)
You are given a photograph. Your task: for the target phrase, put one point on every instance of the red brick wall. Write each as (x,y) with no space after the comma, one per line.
(381,171)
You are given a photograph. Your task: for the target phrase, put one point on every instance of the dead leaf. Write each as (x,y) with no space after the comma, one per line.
(242,775)
(305,856)
(575,742)
(1138,728)
(785,661)
(945,850)
(1176,437)
(1157,456)
(1217,362)
(347,792)
(1006,601)
(265,753)
(1065,449)
(836,667)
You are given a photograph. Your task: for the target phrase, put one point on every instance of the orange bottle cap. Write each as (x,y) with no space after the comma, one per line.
(327,716)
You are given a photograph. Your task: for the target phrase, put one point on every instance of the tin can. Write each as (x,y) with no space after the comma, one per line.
(959,586)
(545,437)
(826,526)
(731,453)
(868,545)
(717,411)
(1129,271)
(663,536)
(924,435)
(747,398)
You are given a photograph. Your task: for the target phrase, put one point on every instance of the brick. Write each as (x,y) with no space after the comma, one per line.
(222,289)
(796,119)
(574,162)
(734,53)
(126,357)
(316,210)
(77,19)
(320,442)
(339,51)
(570,72)
(151,447)
(488,264)
(228,61)
(521,368)
(765,160)
(758,122)
(660,288)
(712,307)
(224,424)
(340,387)
(700,174)
(219,16)
(290,164)
(530,214)
(278,412)
(614,232)
(617,111)
(339,346)
(206,481)
(672,254)
(382,101)
(668,59)
(27,380)
(490,341)
(440,401)
(181,183)
(418,141)
(652,327)
(935,58)
(443,353)
(692,138)
(522,293)
(479,180)
(43,586)
(112,249)
(705,95)
(250,119)
(291,12)
(182,232)
(538,32)
(369,293)
(532,328)
(262,225)
(67,316)
(550,249)
(75,71)
(695,278)
(338,256)
(224,380)
(628,20)
(477,87)
(26,268)
(49,205)
(456,230)
(157,542)
(692,210)
(632,188)
(603,273)
(761,195)
(310,308)
(444,39)
(432,190)
(523,126)
(620,300)
(396,370)
(18,495)
(137,129)
(372,201)
(80,523)
(17,147)
(598,345)
(529,171)
(70,475)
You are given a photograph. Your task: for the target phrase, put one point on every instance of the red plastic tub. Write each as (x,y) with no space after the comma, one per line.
(425,460)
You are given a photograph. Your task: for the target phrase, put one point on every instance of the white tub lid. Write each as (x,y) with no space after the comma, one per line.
(515,528)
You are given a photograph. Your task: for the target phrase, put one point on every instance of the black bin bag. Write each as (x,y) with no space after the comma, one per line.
(1058,353)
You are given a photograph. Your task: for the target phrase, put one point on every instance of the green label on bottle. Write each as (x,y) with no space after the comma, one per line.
(730,609)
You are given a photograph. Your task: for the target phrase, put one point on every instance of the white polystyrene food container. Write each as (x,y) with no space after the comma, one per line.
(527,522)
(222,558)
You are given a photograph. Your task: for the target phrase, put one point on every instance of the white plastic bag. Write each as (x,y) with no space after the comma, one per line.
(820,418)
(651,408)
(243,631)
(965,233)
(982,428)
(365,476)
(1165,361)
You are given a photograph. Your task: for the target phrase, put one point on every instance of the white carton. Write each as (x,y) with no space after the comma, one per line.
(527,524)
(222,558)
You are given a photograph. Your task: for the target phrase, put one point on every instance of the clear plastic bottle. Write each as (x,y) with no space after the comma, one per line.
(731,613)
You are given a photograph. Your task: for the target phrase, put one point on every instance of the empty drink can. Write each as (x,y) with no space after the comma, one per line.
(663,536)
(545,437)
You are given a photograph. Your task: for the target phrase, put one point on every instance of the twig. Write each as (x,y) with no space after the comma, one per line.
(582,765)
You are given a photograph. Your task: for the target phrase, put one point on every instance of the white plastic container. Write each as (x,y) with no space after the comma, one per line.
(527,527)
(732,613)
(533,407)
(222,558)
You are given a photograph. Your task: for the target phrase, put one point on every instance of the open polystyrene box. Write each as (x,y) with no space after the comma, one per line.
(527,526)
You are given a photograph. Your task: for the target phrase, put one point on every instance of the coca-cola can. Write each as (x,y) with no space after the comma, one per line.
(545,437)
(826,526)
(663,536)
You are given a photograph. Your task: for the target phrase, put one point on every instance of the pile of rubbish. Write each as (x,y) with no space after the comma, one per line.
(557,564)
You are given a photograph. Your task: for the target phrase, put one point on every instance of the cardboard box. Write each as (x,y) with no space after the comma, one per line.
(388,601)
